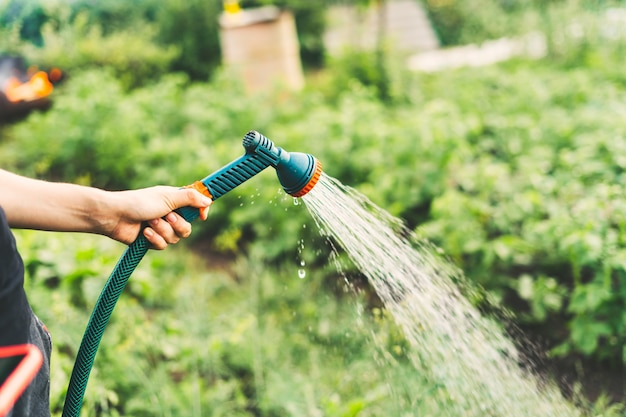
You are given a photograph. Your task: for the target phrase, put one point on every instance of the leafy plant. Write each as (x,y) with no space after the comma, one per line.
(247,340)
(516,171)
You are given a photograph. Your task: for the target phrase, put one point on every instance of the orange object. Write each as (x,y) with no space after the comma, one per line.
(18,366)
(55,75)
(312,181)
(38,86)
(203,189)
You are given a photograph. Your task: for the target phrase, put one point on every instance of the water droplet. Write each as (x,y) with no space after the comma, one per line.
(302,263)
(301,273)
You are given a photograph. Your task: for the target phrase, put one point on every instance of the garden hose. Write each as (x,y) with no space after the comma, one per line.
(297,174)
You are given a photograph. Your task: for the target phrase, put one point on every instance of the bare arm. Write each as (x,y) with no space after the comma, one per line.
(36,204)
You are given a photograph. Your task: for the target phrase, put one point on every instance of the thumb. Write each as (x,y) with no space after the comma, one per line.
(184,197)
(194,198)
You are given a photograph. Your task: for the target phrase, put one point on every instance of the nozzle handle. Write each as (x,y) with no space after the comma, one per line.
(260,154)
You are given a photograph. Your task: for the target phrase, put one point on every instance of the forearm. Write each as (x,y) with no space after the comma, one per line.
(121,215)
(36,204)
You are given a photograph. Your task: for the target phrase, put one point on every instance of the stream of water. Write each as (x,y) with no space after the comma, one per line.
(476,368)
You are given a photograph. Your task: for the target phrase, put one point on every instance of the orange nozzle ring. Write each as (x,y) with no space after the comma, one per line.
(314,178)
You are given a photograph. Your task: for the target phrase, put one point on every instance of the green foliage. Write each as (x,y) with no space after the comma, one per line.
(524,190)
(74,45)
(458,22)
(29,15)
(192,27)
(516,171)
(247,340)
(93,147)
(141,40)
(538,195)
(363,67)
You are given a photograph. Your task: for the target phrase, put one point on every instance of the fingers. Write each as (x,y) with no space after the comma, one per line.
(157,241)
(162,232)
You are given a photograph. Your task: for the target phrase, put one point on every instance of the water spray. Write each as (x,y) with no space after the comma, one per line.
(297,173)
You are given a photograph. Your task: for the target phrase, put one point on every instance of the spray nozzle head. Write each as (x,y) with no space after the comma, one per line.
(297,172)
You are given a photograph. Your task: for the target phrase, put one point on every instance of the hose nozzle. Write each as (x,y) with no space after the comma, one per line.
(297,172)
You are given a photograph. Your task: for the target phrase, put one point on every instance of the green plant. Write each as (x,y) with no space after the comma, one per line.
(246,340)
(458,22)
(131,54)
(516,171)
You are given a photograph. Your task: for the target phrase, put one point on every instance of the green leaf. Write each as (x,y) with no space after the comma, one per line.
(586,332)
(588,297)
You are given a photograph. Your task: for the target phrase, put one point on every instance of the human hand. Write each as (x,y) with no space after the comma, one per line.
(155,206)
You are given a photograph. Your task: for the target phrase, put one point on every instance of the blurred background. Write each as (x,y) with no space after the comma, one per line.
(492,128)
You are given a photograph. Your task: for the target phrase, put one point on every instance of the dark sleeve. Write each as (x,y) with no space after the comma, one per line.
(19,325)
(15,312)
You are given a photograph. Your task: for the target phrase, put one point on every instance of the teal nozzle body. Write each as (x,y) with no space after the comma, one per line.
(297,172)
